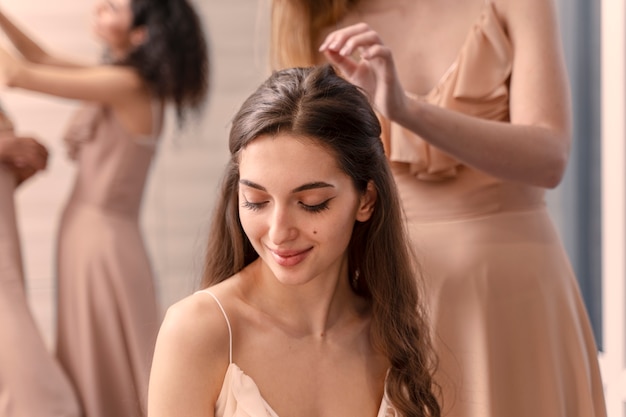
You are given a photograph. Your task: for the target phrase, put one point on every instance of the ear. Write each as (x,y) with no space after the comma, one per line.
(138,36)
(367,203)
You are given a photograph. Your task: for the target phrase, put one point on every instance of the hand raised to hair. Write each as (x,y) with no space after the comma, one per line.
(373,69)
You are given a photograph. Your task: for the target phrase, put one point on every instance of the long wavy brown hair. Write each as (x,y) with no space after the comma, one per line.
(316,103)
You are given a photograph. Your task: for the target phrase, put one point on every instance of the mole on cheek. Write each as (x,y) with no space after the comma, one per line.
(314,232)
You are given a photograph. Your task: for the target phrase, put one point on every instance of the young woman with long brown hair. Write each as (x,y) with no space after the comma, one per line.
(311,305)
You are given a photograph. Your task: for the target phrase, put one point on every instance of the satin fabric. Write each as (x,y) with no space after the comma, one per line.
(31,381)
(241,397)
(509,325)
(475,84)
(108,317)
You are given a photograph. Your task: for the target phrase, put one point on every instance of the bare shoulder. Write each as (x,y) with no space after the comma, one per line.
(530,14)
(191,357)
(198,323)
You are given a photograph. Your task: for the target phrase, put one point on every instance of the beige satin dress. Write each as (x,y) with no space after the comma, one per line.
(510,328)
(241,397)
(107,310)
(31,381)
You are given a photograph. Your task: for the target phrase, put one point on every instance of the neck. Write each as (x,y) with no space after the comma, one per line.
(315,309)
(117,54)
(377,6)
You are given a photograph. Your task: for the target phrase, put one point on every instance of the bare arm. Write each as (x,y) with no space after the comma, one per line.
(190,360)
(532,149)
(107,84)
(30,50)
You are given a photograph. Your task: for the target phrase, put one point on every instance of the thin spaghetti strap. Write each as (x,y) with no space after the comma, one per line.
(230,332)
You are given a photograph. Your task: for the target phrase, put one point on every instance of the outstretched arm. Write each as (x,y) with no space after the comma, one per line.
(109,84)
(30,50)
(532,149)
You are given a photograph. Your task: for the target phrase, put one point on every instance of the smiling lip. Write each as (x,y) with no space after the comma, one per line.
(289,258)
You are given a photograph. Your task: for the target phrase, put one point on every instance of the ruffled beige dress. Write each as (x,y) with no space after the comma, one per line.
(510,328)
(107,311)
(31,381)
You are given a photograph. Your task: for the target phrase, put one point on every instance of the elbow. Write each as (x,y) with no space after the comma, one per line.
(41,58)
(557,152)
(13,78)
(555,171)
(38,57)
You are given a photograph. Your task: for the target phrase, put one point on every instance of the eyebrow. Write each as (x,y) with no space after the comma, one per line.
(304,187)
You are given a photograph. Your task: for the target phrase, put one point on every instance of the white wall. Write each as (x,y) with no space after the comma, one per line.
(613,360)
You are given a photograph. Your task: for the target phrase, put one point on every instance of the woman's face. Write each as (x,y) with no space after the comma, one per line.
(112,24)
(297,207)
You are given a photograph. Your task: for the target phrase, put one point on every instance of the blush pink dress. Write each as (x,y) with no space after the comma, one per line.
(510,328)
(107,311)
(31,381)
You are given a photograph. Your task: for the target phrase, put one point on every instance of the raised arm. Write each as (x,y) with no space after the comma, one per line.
(532,149)
(110,84)
(30,50)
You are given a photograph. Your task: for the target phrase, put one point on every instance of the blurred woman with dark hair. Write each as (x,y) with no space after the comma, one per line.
(155,53)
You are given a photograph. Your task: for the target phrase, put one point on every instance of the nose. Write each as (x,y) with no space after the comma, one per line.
(282,225)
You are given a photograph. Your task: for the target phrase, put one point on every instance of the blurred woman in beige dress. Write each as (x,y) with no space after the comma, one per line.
(155,53)
(31,381)
(475,105)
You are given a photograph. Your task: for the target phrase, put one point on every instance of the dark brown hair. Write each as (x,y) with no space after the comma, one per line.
(318,104)
(174,59)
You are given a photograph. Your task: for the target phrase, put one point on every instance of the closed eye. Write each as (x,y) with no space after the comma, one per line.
(317,207)
(253,206)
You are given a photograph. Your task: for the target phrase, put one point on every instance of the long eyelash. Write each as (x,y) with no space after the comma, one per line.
(316,208)
(252,206)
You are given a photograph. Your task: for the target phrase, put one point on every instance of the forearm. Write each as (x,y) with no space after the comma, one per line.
(22,42)
(104,84)
(534,155)
(28,47)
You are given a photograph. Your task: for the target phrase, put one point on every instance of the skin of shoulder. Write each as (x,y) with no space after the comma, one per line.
(192,346)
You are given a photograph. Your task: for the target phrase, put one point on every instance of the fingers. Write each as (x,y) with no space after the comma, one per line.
(348,48)
(35,154)
(345,65)
(22,152)
(22,174)
(347,41)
